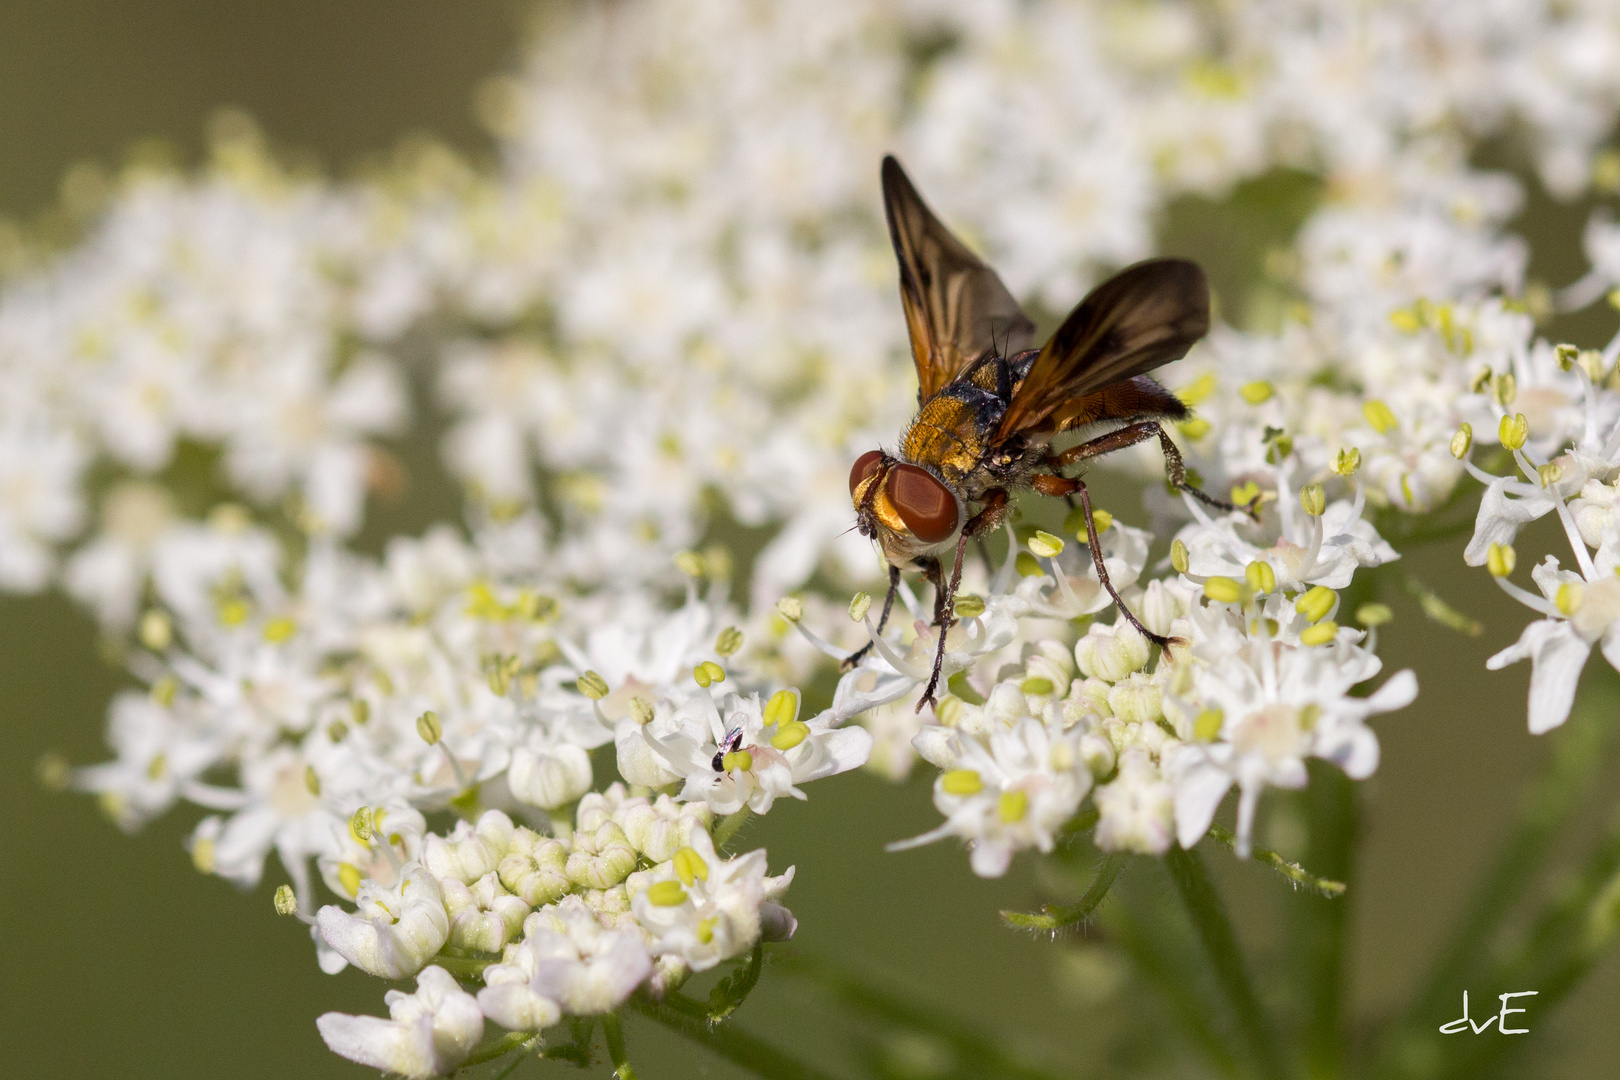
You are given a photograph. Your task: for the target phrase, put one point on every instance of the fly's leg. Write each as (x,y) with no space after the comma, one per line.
(888,605)
(1174,469)
(1062,485)
(995,508)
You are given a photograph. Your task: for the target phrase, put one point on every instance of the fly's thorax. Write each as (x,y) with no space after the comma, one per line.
(951,433)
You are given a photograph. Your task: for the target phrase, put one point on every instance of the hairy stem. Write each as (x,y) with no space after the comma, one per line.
(1058,917)
(1208,916)
(1322,926)
(728,828)
(615,1044)
(1302,878)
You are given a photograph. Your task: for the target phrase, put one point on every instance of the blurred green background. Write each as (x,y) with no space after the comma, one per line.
(119,959)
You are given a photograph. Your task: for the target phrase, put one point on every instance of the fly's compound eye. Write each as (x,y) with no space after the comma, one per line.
(865,466)
(926,506)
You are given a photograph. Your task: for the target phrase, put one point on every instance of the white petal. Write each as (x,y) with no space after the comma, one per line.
(1198,793)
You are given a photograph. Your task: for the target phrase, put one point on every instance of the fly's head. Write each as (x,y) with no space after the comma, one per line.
(906,508)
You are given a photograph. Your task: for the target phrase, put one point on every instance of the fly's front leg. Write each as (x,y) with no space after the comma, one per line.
(888,605)
(1062,485)
(1175,470)
(995,508)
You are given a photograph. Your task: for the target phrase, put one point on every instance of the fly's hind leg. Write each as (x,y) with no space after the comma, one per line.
(995,508)
(1062,485)
(1174,469)
(888,605)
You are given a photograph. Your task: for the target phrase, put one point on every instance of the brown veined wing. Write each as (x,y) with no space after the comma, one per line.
(1141,318)
(957,309)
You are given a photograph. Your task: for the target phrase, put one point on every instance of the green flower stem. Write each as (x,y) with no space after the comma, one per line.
(728,828)
(1055,917)
(498,1048)
(1208,916)
(615,1044)
(686,1016)
(1166,969)
(977,1054)
(1301,877)
(1322,925)
(1550,801)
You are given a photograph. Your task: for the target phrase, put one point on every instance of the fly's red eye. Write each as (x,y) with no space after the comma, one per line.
(865,466)
(926,506)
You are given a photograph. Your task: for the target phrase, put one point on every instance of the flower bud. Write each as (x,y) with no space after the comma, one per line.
(601,858)
(1098,754)
(549,778)
(1137,700)
(534,868)
(1111,652)
(483,916)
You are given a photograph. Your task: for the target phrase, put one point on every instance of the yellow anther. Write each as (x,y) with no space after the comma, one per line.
(1046,546)
(428,726)
(705,929)
(312,780)
(286,902)
(279,629)
(1463,441)
(593,686)
(202,855)
(1245,493)
(689,563)
(968,607)
(1379,416)
(1178,556)
(1198,390)
(1027,565)
(1012,806)
(708,673)
(666,894)
(729,641)
(961,782)
(1320,634)
(690,866)
(362,825)
(1513,431)
(156,631)
(791,608)
(1500,559)
(1260,576)
(1316,602)
(1207,725)
(361,711)
(1309,715)
(1569,598)
(165,689)
(737,759)
(1195,427)
(1223,590)
(859,605)
(1347,461)
(1504,388)
(1405,320)
(1256,393)
(641,710)
(790,734)
(1371,615)
(1036,685)
(1102,519)
(1566,356)
(1313,499)
(349,877)
(782,707)
(233,612)
(1549,473)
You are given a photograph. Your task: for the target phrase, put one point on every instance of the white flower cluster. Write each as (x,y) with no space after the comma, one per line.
(676,293)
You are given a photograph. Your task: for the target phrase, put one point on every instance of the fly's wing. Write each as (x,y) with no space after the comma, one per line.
(1144,316)
(957,309)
